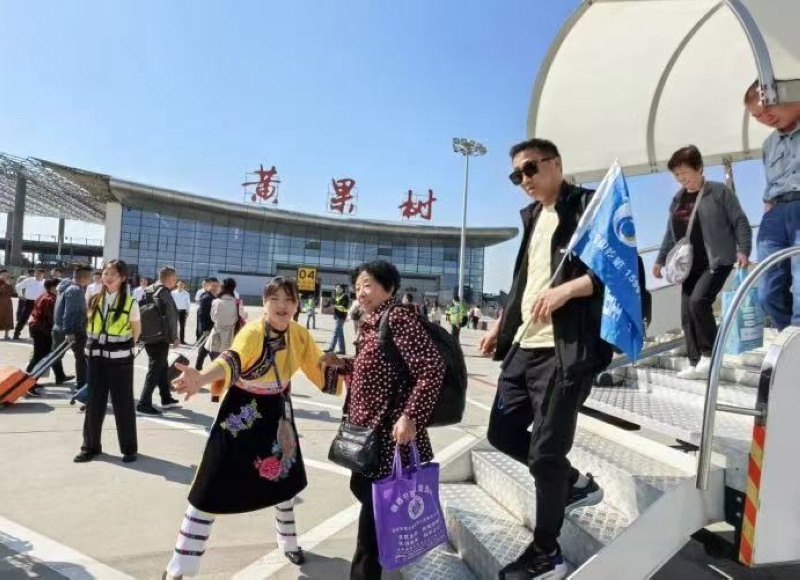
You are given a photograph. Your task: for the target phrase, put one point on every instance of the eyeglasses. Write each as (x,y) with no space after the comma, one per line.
(529,168)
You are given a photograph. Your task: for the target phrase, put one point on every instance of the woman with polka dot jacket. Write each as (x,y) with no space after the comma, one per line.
(377,397)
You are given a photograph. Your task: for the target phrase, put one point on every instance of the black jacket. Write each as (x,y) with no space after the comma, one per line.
(576,325)
(204,322)
(162,297)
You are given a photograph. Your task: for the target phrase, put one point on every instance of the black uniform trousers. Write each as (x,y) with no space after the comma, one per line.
(112,378)
(531,389)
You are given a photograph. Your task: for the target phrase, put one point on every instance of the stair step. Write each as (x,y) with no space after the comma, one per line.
(729,393)
(631,481)
(486,535)
(441,563)
(733,371)
(679,414)
(586,530)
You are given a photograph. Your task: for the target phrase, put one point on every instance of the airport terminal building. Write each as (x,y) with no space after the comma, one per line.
(150,227)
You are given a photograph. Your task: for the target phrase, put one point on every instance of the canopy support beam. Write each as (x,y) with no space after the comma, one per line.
(766,74)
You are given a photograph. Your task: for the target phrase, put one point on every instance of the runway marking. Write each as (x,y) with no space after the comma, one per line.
(55,556)
(275,560)
(479,405)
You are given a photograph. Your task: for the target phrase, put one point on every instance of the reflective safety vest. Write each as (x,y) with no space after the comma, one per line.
(108,337)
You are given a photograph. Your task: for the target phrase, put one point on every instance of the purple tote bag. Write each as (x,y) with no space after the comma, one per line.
(408,516)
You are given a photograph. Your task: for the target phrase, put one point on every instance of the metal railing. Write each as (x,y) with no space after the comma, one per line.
(67,240)
(655,350)
(711,405)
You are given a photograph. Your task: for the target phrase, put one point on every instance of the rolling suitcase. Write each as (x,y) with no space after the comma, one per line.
(15,383)
(177,357)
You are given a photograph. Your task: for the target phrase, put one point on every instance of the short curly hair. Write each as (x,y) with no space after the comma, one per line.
(385,273)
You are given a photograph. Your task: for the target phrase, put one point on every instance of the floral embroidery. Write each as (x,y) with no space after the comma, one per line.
(243,420)
(284,455)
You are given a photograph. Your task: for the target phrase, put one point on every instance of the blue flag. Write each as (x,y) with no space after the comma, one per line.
(606,243)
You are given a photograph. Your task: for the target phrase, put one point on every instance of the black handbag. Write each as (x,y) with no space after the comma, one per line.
(358,448)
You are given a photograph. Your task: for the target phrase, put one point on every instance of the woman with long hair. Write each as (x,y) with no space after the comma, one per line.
(113,327)
(252,458)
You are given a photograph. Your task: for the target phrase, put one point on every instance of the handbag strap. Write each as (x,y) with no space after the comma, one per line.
(285,395)
(694,210)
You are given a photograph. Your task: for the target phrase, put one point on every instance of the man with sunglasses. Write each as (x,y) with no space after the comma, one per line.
(779,289)
(549,339)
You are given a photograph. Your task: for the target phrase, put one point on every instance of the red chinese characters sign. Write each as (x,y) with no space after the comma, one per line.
(342,199)
(266,188)
(413,207)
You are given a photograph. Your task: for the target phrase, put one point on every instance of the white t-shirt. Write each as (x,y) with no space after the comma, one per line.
(30,288)
(138,293)
(182,299)
(109,300)
(540,334)
(93,289)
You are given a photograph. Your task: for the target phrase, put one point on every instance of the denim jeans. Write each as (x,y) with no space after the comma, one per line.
(779,288)
(338,336)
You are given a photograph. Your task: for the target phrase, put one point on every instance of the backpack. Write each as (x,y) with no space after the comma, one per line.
(154,322)
(449,408)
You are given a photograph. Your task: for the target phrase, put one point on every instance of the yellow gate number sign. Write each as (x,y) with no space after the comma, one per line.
(306,279)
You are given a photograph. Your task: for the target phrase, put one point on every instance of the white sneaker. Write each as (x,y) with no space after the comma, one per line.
(703,368)
(688,373)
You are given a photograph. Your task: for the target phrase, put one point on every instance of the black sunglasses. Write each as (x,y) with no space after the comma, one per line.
(529,168)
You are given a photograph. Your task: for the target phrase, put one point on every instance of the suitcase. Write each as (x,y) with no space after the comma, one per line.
(172,358)
(14,383)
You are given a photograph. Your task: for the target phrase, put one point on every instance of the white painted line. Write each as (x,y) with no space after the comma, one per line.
(58,557)
(297,401)
(326,466)
(479,405)
(275,560)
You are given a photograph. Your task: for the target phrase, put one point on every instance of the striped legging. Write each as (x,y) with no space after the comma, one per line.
(196,528)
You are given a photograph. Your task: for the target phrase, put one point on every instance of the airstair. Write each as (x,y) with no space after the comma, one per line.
(669,463)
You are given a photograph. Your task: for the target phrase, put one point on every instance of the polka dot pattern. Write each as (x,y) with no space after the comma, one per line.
(373,379)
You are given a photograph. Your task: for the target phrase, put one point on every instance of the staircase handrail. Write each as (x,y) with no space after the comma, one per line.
(655,350)
(712,390)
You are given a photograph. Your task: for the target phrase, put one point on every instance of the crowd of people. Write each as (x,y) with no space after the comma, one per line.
(548,337)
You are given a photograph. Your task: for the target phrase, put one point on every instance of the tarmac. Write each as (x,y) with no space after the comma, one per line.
(110,520)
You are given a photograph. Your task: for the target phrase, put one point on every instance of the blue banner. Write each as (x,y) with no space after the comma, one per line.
(607,245)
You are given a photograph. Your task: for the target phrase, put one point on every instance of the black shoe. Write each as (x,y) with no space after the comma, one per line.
(84,456)
(215,398)
(341,352)
(590,494)
(147,410)
(64,379)
(129,458)
(34,392)
(170,403)
(297,557)
(82,408)
(533,563)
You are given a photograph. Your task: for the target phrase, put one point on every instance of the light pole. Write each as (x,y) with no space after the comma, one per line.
(468,148)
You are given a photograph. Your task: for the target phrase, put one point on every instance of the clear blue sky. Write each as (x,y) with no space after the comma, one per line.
(190,95)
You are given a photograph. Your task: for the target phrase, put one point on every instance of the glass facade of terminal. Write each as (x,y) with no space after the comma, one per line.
(200,243)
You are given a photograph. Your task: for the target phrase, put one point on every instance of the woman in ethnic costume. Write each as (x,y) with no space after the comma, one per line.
(252,458)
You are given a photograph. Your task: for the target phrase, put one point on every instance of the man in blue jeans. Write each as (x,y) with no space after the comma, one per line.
(779,291)
(341,306)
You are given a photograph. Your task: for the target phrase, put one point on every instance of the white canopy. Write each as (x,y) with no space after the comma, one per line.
(635,80)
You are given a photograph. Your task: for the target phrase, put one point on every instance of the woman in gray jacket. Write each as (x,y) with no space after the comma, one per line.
(720,237)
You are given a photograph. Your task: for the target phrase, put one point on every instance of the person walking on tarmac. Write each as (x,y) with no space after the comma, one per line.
(158,352)
(456,315)
(341,306)
(112,329)
(549,336)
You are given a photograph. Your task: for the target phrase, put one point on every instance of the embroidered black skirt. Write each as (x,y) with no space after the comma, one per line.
(252,458)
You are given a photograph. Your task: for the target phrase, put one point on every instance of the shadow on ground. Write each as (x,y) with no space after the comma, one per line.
(155,466)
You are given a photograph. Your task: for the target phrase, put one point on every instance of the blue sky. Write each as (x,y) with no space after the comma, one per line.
(191,95)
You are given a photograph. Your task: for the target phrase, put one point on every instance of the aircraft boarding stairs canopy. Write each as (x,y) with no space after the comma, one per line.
(642,95)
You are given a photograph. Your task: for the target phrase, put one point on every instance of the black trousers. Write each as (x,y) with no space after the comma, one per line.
(532,389)
(182,314)
(698,293)
(366,564)
(156,373)
(115,379)
(42,346)
(79,351)
(202,353)
(24,309)
(455,330)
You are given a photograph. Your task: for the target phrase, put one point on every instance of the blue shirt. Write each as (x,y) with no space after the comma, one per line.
(782,163)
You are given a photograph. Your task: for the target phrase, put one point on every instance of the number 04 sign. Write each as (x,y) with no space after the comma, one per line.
(306,279)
